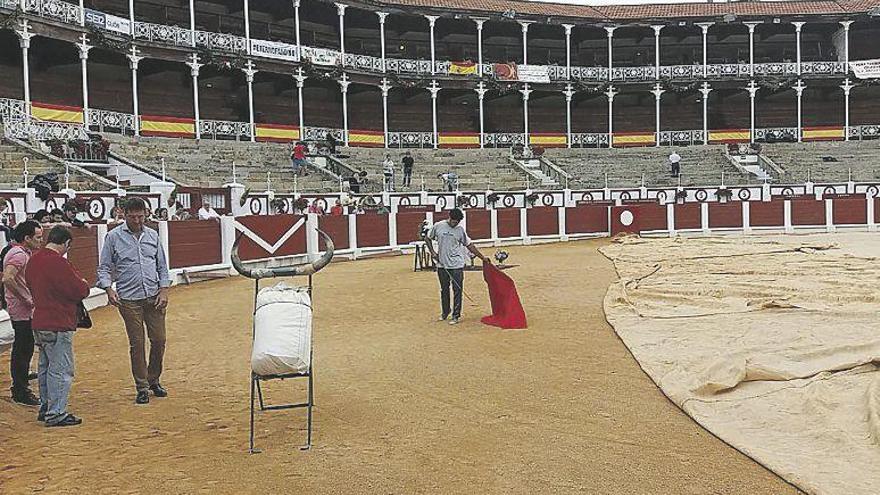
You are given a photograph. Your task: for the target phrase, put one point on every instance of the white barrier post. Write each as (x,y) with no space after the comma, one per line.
(563,236)
(872,226)
(312,237)
(524,226)
(787,215)
(392,230)
(704,217)
(102,234)
(670,219)
(829,215)
(227,239)
(163,238)
(746,215)
(353,236)
(493,222)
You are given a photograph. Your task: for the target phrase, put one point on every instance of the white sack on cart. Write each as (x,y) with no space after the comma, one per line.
(282,331)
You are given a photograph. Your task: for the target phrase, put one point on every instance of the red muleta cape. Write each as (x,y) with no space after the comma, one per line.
(507,311)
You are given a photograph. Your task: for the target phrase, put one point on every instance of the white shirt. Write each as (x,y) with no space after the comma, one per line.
(208,214)
(388,167)
(674,157)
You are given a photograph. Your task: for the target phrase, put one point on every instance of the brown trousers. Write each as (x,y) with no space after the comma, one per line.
(135,314)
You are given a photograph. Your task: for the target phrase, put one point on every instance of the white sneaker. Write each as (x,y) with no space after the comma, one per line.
(453,321)
(442,318)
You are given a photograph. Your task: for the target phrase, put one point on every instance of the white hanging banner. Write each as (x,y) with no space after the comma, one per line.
(321,56)
(533,73)
(866,69)
(274,49)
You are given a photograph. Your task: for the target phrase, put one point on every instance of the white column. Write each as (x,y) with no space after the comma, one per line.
(296,27)
(431,20)
(247,27)
(658,93)
(194,67)
(752,26)
(84,48)
(752,88)
(340,10)
(525,95)
(385,87)
(568,28)
(797,34)
(705,27)
(130,15)
(300,82)
(343,86)
(705,90)
(133,61)
(192,22)
(569,94)
(249,72)
(24,40)
(434,88)
(657,28)
(382,16)
(846,25)
(481,94)
(525,38)
(479,22)
(610,93)
(799,89)
(847,86)
(610,31)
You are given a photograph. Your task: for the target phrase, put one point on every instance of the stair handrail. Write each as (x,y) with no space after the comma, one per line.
(553,170)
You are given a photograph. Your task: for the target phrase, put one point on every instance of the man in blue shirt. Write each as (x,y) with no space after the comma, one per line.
(133,257)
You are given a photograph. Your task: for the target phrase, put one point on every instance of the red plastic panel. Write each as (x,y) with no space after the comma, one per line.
(767,214)
(479,223)
(807,211)
(83,254)
(542,220)
(271,228)
(508,222)
(194,243)
(337,228)
(372,230)
(637,218)
(687,216)
(586,219)
(725,215)
(850,211)
(652,216)
(408,227)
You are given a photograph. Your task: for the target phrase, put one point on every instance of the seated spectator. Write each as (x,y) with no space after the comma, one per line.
(316,208)
(57,216)
(336,210)
(207,212)
(43,217)
(162,214)
(181,214)
(117,215)
(71,215)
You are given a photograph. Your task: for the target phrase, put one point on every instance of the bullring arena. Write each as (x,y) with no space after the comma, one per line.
(686,195)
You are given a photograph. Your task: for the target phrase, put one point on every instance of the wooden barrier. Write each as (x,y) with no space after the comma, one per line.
(194,243)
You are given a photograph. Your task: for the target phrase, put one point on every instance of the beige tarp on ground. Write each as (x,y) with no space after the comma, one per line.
(771,343)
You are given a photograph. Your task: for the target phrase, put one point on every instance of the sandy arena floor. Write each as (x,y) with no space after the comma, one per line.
(405,405)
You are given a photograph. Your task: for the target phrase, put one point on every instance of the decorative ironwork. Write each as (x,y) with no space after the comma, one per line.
(36,130)
(320,133)
(221,42)
(215,128)
(12,110)
(410,139)
(773,135)
(101,120)
(55,9)
(160,33)
(589,140)
(671,138)
(504,139)
(864,132)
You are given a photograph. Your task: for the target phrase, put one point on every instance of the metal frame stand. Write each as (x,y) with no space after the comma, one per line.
(423,260)
(257,392)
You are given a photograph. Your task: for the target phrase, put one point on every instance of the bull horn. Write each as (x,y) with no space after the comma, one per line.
(284,271)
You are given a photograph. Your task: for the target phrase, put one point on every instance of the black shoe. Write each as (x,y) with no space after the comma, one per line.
(26,398)
(41,417)
(69,420)
(158,390)
(143,397)
(33,376)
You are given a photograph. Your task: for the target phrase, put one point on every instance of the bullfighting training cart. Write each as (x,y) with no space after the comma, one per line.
(291,303)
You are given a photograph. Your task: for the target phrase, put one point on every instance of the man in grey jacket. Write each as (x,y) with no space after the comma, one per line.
(133,253)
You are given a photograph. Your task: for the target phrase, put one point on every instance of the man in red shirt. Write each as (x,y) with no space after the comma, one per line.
(57,289)
(28,237)
(299,158)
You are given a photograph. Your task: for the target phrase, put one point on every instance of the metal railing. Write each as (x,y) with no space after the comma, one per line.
(37,130)
(503,139)
(105,120)
(320,133)
(222,129)
(410,139)
(160,33)
(589,140)
(12,110)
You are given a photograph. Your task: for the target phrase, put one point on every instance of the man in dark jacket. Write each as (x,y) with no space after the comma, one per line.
(57,289)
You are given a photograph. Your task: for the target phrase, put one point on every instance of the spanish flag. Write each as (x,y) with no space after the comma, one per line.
(463,68)
(57,113)
(154,125)
(277,133)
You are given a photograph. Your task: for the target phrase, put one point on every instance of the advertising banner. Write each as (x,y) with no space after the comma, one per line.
(533,73)
(274,49)
(866,69)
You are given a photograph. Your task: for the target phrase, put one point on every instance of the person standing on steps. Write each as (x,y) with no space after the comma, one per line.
(57,290)
(408,163)
(27,238)
(675,164)
(133,257)
(452,242)
(388,173)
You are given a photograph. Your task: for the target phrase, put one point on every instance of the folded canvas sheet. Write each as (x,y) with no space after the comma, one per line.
(768,342)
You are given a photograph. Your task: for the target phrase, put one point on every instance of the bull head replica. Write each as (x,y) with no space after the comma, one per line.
(284,271)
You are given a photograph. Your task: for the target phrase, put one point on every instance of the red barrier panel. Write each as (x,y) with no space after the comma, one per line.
(372,230)
(687,216)
(508,222)
(767,214)
(270,228)
(408,226)
(725,215)
(193,243)
(542,220)
(337,228)
(637,218)
(850,211)
(83,254)
(479,223)
(807,211)
(586,219)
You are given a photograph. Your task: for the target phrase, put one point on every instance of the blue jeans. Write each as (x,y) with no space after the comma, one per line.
(55,373)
